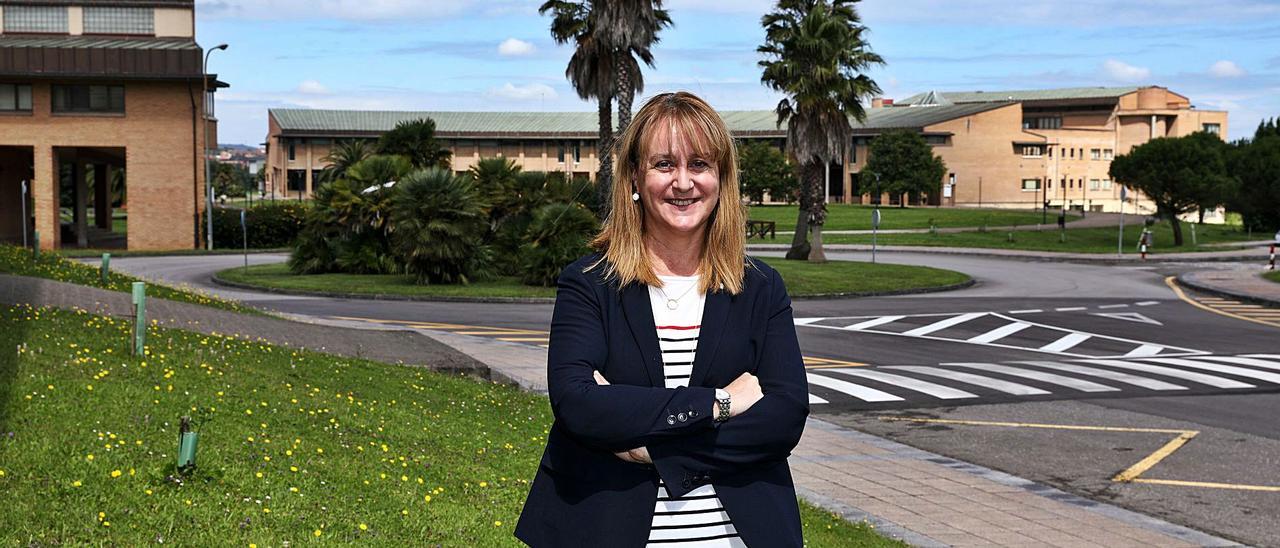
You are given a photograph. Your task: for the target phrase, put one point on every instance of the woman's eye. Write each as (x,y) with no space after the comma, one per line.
(663,164)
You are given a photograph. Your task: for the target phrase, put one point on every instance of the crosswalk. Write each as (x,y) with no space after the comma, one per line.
(997,329)
(967,383)
(1240,309)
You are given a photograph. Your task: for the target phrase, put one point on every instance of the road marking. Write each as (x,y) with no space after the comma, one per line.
(1173,284)
(1153,459)
(977,380)
(935,390)
(1255,362)
(498,331)
(943,324)
(1060,380)
(1144,382)
(872,323)
(814,400)
(999,332)
(1148,303)
(1066,342)
(1216,382)
(811,362)
(1071,309)
(523,339)
(1032,311)
(1127,316)
(1109,306)
(1217,368)
(856,390)
(1144,351)
(1208,484)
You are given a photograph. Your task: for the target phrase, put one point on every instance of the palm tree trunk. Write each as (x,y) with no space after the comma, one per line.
(625,96)
(604,151)
(800,241)
(817,209)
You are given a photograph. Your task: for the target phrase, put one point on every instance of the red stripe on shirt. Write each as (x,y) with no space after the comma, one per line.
(679,327)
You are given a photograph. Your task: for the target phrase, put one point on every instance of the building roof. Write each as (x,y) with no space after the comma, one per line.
(1026,95)
(96,3)
(94,42)
(743,123)
(99,57)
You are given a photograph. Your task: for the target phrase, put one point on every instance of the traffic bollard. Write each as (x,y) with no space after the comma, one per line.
(139,317)
(1272,264)
(106,267)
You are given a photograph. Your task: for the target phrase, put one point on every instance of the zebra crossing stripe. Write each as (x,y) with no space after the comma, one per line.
(1144,351)
(935,390)
(1216,382)
(977,380)
(1066,342)
(1144,382)
(874,322)
(943,324)
(999,333)
(856,390)
(1255,362)
(1218,368)
(1060,380)
(815,400)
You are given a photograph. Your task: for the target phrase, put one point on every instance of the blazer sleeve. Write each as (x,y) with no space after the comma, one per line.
(762,435)
(616,417)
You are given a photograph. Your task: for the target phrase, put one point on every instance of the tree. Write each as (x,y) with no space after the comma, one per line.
(816,54)
(608,36)
(415,140)
(439,221)
(343,155)
(230,179)
(1177,173)
(762,169)
(901,162)
(1255,194)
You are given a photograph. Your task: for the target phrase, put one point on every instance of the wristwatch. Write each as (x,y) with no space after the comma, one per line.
(722,405)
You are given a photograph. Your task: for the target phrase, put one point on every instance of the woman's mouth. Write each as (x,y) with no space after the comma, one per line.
(681,202)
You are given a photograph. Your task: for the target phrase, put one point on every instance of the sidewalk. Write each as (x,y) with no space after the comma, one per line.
(1093,220)
(920,497)
(1246,284)
(1258,253)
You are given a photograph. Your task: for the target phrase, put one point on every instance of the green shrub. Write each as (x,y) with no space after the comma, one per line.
(557,235)
(440,223)
(270,226)
(348,228)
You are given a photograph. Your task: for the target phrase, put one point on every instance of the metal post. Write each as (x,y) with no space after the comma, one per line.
(106,268)
(1193,235)
(139,317)
(1120,240)
(875,228)
(25,220)
(204,119)
(244,232)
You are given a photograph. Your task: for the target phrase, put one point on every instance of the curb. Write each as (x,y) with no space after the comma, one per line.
(218,280)
(1046,257)
(1184,279)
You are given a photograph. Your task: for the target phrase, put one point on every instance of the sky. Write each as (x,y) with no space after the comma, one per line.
(498,55)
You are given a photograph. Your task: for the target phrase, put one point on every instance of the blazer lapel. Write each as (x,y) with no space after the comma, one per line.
(714,318)
(639,314)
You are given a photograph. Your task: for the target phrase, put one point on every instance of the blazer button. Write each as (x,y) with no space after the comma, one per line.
(671,419)
(686,483)
(682,417)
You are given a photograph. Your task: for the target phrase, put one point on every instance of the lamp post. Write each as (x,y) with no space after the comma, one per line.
(204,119)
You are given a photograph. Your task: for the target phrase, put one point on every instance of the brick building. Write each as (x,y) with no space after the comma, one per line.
(1010,149)
(102,109)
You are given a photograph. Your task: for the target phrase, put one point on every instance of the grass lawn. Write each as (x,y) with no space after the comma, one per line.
(295,446)
(1274,276)
(802,279)
(17,260)
(1079,240)
(83,253)
(858,217)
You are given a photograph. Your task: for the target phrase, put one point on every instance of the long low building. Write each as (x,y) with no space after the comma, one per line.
(1008,149)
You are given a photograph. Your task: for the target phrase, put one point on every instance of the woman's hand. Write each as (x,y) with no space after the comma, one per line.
(744,392)
(639,455)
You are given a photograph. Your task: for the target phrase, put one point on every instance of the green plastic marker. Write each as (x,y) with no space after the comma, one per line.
(187,440)
(139,316)
(106,267)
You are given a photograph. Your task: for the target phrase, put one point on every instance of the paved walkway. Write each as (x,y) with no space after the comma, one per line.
(1257,252)
(1093,220)
(1240,283)
(923,498)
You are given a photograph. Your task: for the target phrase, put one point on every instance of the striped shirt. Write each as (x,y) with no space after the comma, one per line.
(697,519)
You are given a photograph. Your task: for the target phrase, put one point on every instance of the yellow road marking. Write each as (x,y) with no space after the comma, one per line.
(523,339)
(500,331)
(1181,295)
(1129,475)
(811,362)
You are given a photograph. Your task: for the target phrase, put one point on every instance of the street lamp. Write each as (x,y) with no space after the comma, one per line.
(204,119)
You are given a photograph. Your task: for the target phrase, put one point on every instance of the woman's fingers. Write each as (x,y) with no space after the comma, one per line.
(600,380)
(744,392)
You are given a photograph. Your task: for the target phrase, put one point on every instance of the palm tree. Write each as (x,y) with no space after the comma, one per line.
(608,36)
(817,55)
(343,155)
(415,140)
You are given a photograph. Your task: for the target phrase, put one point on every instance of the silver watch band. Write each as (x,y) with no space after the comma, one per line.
(722,405)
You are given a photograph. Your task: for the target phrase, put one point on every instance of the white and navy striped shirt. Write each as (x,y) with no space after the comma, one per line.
(697,519)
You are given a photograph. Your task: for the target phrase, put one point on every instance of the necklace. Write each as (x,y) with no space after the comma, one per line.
(673,304)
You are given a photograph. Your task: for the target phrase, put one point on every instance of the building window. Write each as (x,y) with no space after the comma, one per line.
(99,20)
(1030,184)
(293,150)
(41,19)
(15,97)
(1072,152)
(1095,154)
(935,140)
(560,152)
(1032,151)
(1106,184)
(577,151)
(86,98)
(1095,184)
(1213,129)
(297,181)
(1108,154)
(1042,122)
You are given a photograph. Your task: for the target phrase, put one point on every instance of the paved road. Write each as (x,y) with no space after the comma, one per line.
(1032,343)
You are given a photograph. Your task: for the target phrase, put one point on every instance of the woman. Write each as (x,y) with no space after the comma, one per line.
(674,373)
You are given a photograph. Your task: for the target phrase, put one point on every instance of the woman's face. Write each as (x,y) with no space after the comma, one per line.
(679,188)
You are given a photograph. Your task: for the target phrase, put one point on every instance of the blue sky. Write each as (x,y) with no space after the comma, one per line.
(498,54)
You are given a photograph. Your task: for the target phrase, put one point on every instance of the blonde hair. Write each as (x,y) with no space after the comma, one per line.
(621,240)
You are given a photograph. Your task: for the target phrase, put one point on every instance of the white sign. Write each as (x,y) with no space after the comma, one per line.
(875,219)
(946,190)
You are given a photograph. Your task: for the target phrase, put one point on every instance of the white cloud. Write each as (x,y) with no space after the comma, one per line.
(1119,70)
(523,93)
(1225,69)
(512,47)
(312,87)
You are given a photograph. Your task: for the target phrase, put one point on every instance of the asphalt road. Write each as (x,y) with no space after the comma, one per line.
(1032,343)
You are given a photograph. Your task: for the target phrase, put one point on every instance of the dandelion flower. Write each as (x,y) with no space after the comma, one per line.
(364,527)
(497,524)
(76,483)
(115,473)
(317,533)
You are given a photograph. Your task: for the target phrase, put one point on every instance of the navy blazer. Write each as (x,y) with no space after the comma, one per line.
(583,495)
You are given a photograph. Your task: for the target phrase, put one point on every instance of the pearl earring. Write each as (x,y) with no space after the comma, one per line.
(635,196)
